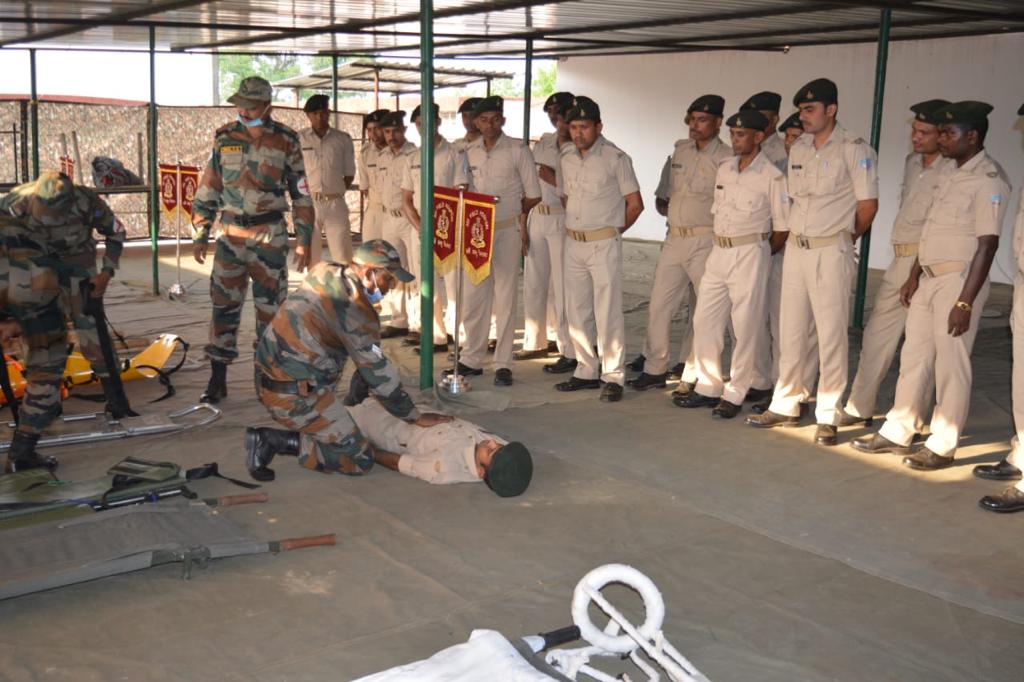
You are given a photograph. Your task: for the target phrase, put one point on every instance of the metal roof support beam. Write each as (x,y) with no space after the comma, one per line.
(881,62)
(428,126)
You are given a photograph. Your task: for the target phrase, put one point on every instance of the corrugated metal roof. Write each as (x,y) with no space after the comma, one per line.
(481,28)
(390,77)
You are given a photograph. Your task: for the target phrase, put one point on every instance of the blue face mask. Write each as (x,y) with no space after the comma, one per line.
(375,296)
(253,122)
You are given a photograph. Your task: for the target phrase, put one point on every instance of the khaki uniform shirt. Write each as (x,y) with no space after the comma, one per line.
(691,183)
(1018,237)
(506,171)
(390,169)
(827,183)
(450,170)
(548,153)
(774,147)
(753,201)
(919,187)
(329,160)
(970,202)
(369,172)
(595,185)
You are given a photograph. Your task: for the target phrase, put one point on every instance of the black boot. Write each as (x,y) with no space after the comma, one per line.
(117,402)
(217,389)
(23,455)
(262,444)
(358,390)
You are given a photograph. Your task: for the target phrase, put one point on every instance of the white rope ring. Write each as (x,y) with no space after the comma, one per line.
(598,579)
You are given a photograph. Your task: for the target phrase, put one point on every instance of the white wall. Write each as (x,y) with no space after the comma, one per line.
(644,98)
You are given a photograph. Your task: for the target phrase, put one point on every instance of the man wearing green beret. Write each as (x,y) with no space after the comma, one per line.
(750,202)
(833,181)
(369,175)
(921,174)
(1009,468)
(686,201)
(503,167)
(602,200)
(543,281)
(946,291)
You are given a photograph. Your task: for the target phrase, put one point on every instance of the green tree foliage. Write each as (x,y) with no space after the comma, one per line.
(234,68)
(544,80)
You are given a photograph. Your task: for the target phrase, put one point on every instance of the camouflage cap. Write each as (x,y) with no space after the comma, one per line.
(818,90)
(925,111)
(968,111)
(763,101)
(469,105)
(751,118)
(418,110)
(708,104)
(380,254)
(583,109)
(793,121)
(252,92)
(510,471)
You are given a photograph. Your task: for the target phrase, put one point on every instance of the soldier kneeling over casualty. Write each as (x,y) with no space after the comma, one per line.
(453,452)
(300,358)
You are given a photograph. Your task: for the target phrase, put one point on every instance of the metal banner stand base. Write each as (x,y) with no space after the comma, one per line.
(455,383)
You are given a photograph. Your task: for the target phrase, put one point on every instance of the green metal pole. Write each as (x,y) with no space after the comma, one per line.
(334,88)
(33,112)
(427,194)
(527,90)
(881,60)
(154,198)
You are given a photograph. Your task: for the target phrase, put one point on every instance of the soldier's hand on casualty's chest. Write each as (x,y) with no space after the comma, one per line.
(199,252)
(959,321)
(301,260)
(99,284)
(428,419)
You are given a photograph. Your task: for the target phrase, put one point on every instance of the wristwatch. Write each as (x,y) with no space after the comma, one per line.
(963,305)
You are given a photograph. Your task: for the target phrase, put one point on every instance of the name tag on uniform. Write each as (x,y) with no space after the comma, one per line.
(231,149)
(797,166)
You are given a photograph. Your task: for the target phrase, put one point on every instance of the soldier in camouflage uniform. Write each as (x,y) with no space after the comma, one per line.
(255,162)
(300,358)
(48,235)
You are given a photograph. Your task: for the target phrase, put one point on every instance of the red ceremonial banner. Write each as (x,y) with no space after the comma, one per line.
(67,166)
(477,231)
(189,186)
(169,189)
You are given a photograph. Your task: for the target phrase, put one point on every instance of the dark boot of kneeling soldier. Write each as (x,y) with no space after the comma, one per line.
(263,444)
(23,456)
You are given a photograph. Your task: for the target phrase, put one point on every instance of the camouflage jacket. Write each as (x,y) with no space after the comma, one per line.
(247,176)
(323,323)
(61,229)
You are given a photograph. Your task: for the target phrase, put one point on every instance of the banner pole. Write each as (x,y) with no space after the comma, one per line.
(177,289)
(454,383)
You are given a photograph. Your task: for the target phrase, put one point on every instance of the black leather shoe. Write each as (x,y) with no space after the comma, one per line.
(412,339)
(646,381)
(769,419)
(492,345)
(677,371)
(552,348)
(756,395)
(694,399)
(562,365)
(217,388)
(636,364)
(464,370)
(877,444)
(853,420)
(389,332)
(1003,471)
(826,434)
(22,454)
(577,384)
(503,377)
(438,348)
(530,354)
(761,407)
(1010,500)
(725,410)
(926,460)
(611,393)
(262,444)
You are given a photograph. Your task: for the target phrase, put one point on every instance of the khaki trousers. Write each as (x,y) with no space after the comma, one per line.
(733,287)
(1016,456)
(680,265)
(881,337)
(397,231)
(413,303)
(771,359)
(331,220)
(593,296)
(815,289)
(373,221)
(497,293)
(544,284)
(929,350)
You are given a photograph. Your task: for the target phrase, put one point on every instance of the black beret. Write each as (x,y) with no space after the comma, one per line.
(416,113)
(469,105)
(393,119)
(562,100)
(510,471)
(792,122)
(751,118)
(1020,112)
(583,109)
(492,103)
(969,111)
(925,111)
(317,103)
(376,116)
(818,90)
(763,101)
(709,104)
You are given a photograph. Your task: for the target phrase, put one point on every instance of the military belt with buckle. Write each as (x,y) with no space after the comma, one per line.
(299,388)
(802,242)
(322,196)
(730,242)
(395,212)
(904,250)
(691,231)
(593,235)
(243,220)
(548,209)
(940,269)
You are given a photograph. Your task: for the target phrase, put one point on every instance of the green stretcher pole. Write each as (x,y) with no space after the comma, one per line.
(154,208)
(881,60)
(427,194)
(33,112)
(527,87)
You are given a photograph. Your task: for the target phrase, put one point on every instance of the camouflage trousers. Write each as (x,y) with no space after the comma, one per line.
(330,440)
(238,260)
